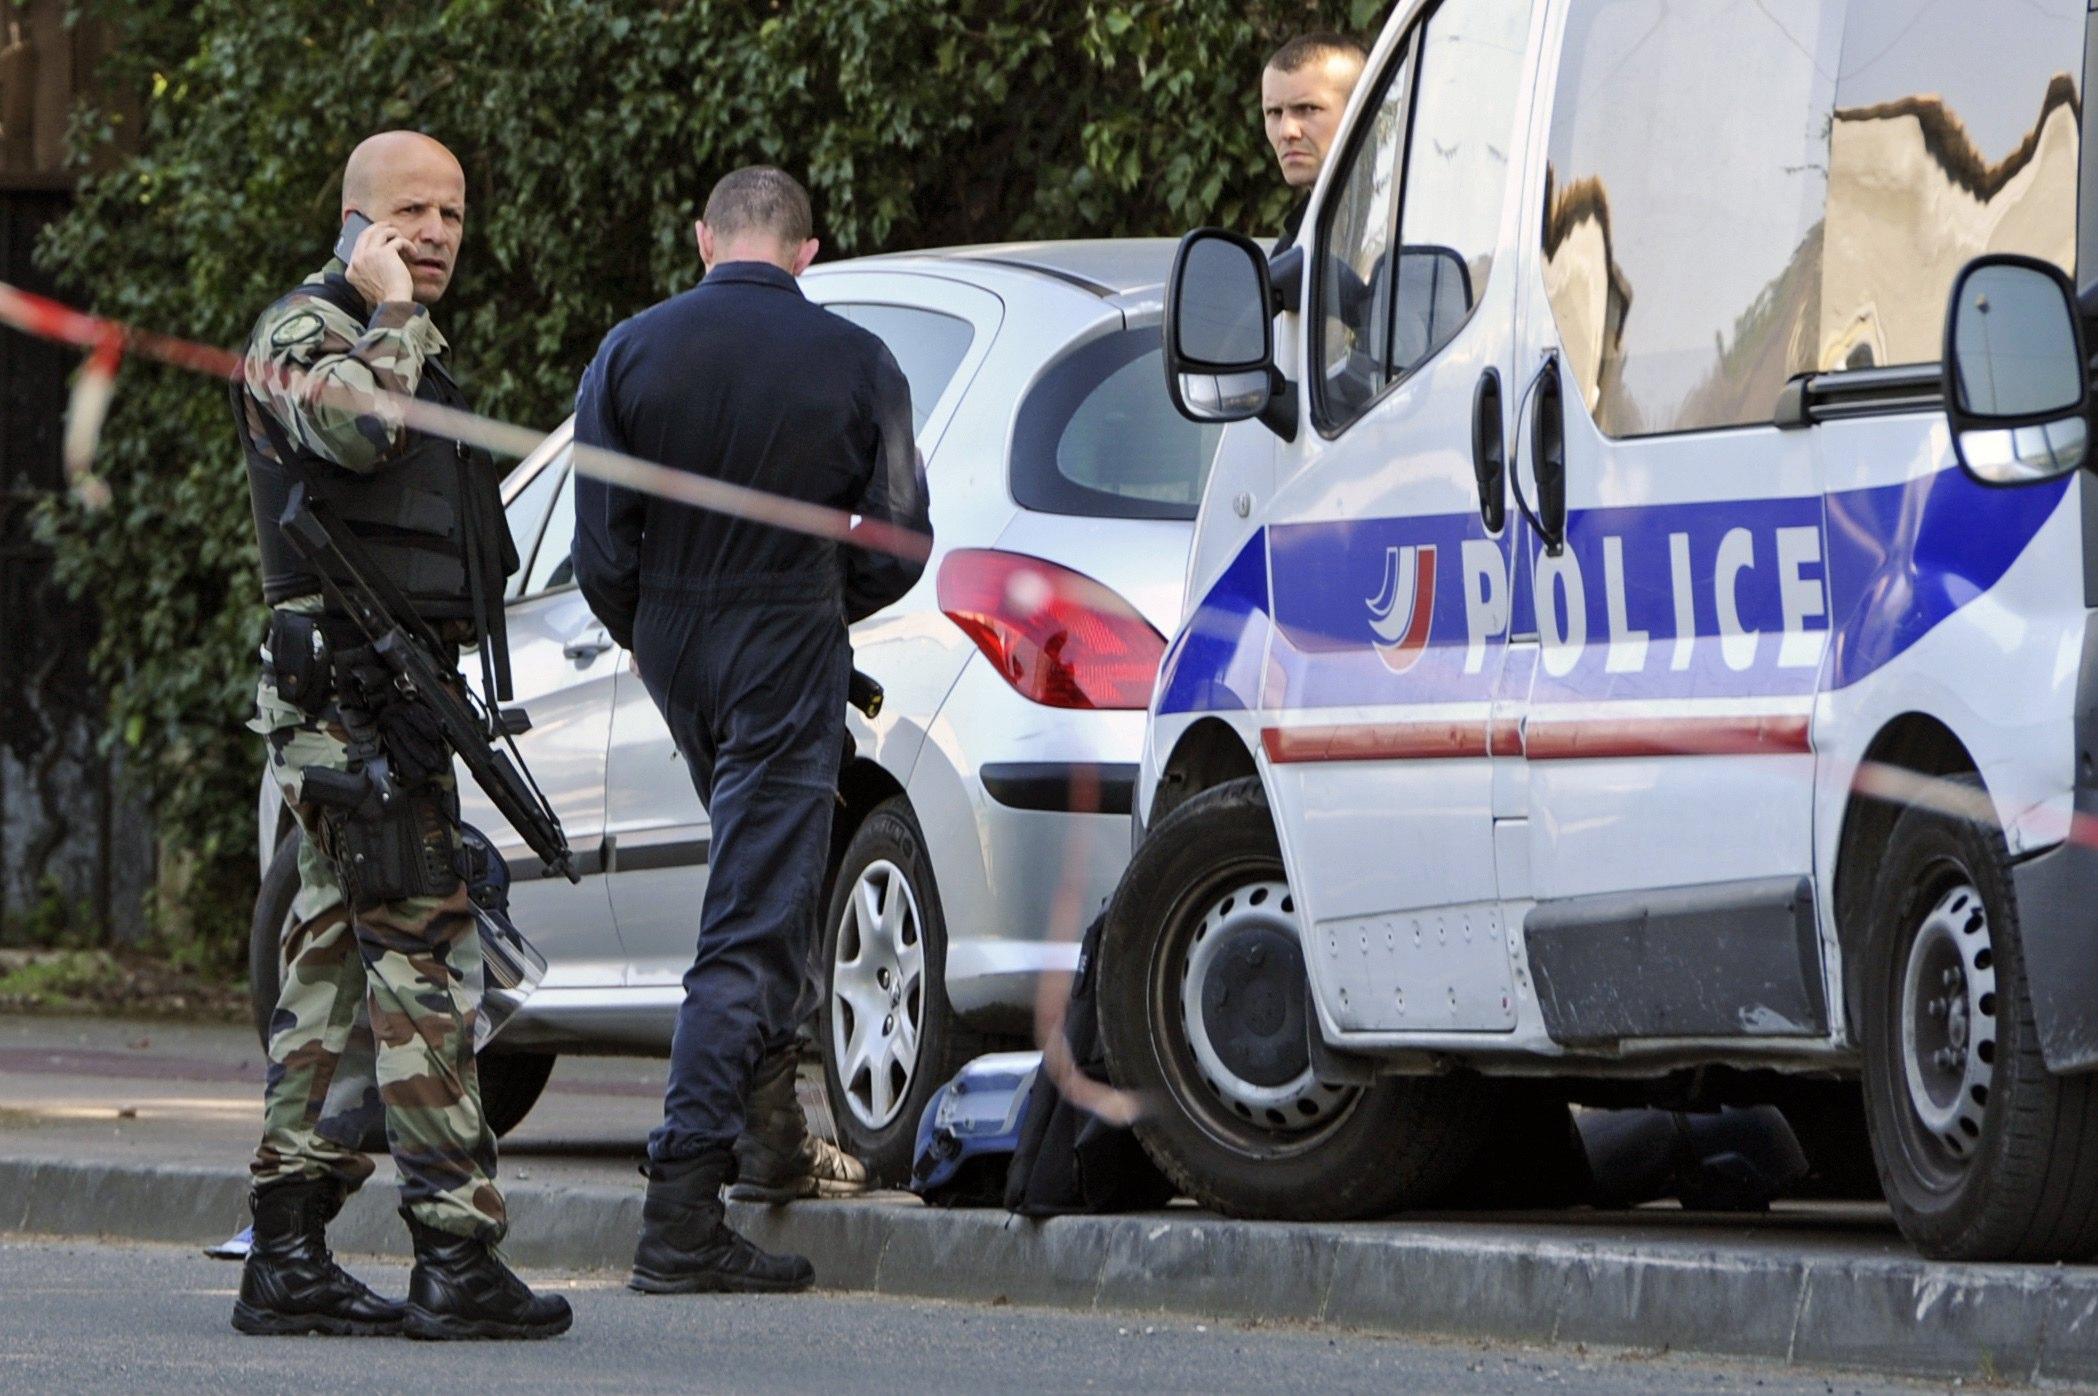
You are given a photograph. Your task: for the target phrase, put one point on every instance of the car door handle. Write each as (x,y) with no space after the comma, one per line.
(589,645)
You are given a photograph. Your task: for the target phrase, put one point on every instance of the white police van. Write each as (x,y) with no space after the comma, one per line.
(1611,658)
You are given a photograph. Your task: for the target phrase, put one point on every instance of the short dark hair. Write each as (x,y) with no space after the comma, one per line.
(1310,48)
(760,196)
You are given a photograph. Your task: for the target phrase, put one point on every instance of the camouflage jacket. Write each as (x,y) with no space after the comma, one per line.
(310,366)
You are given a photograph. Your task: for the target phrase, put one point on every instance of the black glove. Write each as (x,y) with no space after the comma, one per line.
(414,743)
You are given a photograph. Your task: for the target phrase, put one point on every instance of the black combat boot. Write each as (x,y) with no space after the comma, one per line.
(461,1289)
(686,1245)
(777,1159)
(290,1284)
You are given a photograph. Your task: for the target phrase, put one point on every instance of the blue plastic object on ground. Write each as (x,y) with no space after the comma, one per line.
(234,1247)
(970,1128)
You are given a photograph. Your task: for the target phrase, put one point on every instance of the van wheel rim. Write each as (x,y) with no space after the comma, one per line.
(1948,1024)
(1243,966)
(878,994)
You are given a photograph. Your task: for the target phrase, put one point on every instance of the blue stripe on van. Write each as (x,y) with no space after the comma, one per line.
(1904,557)
(1891,563)
(1214,663)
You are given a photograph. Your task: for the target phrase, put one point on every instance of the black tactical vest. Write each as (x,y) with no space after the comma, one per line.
(427,515)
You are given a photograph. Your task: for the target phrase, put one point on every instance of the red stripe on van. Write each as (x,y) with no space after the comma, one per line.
(1375,741)
(1598,738)
(1584,740)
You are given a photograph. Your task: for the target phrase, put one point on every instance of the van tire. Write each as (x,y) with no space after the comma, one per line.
(889,838)
(2001,1168)
(511,1082)
(1400,1143)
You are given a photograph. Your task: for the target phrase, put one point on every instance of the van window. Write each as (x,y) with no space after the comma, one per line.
(1096,436)
(1740,193)
(1937,155)
(929,346)
(1351,338)
(1389,300)
(1687,170)
(1471,71)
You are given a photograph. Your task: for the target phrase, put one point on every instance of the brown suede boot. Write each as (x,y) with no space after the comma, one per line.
(777,1159)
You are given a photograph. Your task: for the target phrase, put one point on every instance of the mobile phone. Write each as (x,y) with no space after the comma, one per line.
(352,228)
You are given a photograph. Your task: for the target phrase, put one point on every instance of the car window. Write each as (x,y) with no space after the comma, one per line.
(929,346)
(551,567)
(526,513)
(1098,436)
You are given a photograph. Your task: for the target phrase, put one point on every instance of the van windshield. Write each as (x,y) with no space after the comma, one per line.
(1098,436)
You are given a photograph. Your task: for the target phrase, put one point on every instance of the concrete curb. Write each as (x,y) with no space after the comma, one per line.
(1770,1300)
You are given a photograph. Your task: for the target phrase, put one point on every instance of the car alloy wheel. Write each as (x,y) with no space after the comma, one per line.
(878,993)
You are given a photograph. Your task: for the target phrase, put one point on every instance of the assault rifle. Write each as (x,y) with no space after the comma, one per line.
(408,647)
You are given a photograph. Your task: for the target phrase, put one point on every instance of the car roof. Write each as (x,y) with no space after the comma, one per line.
(1106,267)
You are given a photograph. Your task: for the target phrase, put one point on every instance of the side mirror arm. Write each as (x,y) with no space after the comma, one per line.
(1280,415)
(1286,281)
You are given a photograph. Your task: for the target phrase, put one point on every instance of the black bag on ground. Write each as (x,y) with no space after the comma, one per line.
(1069,1160)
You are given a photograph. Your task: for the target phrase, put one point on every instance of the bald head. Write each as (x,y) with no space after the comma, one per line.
(412,183)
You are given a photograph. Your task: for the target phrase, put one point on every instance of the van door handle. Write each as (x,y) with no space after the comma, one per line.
(1547,518)
(589,645)
(1490,450)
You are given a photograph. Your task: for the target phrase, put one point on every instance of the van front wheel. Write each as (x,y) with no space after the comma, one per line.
(1983,1154)
(1203,1004)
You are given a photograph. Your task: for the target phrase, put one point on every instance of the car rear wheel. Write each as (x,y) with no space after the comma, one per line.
(511,1082)
(1203,1004)
(1983,1154)
(889,1038)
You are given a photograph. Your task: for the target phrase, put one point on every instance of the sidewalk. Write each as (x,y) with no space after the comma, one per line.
(1821,1285)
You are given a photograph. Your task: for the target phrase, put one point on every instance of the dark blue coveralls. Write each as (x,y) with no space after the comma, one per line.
(739,628)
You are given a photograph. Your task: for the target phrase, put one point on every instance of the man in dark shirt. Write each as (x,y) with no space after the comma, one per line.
(739,632)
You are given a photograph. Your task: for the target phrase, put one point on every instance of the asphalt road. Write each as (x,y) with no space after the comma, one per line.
(98,1317)
(143,1096)
(125,1091)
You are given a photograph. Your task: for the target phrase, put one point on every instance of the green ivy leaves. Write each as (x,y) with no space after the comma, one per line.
(590,131)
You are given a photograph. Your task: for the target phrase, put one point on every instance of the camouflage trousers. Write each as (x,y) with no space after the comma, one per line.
(375,1015)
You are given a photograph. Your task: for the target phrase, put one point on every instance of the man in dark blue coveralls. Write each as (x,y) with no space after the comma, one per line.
(739,632)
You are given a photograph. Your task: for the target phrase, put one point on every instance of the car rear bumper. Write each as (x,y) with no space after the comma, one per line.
(1025,813)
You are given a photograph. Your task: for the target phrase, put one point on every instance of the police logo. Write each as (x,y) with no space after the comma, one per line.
(1402,613)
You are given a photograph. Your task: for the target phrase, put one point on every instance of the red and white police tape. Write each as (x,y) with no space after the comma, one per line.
(108,340)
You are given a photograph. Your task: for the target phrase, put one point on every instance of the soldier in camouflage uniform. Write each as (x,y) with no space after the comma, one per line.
(379,992)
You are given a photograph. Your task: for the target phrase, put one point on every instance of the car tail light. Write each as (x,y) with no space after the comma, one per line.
(1058,637)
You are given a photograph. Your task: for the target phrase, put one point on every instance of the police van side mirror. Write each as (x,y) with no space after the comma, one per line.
(1220,335)
(2016,382)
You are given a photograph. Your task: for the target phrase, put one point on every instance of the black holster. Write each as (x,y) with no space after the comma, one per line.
(301,661)
(388,838)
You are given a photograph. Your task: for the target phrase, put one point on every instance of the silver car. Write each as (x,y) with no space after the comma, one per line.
(984,810)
